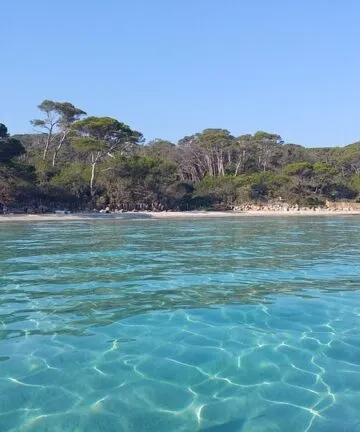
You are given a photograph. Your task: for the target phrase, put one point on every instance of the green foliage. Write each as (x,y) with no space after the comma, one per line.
(3,131)
(354,183)
(73,178)
(138,180)
(229,190)
(339,191)
(107,165)
(214,138)
(57,114)
(16,181)
(88,144)
(15,176)
(301,169)
(321,168)
(265,185)
(10,148)
(160,148)
(261,136)
(107,129)
(56,126)
(218,189)
(349,158)
(292,153)
(99,138)
(14,184)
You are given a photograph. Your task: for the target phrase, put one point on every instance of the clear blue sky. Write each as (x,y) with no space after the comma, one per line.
(171,68)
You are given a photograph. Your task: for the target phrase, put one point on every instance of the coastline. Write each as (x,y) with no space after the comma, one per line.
(173,215)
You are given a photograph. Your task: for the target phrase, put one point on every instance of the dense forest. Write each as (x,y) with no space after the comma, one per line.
(82,162)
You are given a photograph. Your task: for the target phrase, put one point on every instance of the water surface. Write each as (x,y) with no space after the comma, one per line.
(180,325)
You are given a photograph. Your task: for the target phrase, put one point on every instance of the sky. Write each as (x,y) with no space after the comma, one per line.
(171,68)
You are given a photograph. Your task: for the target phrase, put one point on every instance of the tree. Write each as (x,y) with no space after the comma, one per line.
(242,154)
(100,137)
(15,177)
(9,147)
(291,153)
(349,158)
(139,181)
(221,190)
(189,159)
(73,179)
(106,164)
(59,117)
(205,153)
(160,148)
(252,153)
(300,169)
(268,148)
(215,144)
(3,131)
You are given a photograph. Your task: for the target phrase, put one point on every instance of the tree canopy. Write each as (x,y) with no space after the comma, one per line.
(9,147)
(86,161)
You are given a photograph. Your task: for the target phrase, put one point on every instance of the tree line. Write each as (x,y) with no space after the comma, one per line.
(79,161)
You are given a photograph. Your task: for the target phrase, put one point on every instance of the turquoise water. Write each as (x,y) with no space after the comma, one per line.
(180,325)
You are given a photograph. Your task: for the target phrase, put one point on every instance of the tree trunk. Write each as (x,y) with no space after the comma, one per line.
(48,141)
(219,161)
(94,160)
(58,148)
(93,165)
(221,170)
(209,165)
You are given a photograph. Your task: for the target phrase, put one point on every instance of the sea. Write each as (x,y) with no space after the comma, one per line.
(207,324)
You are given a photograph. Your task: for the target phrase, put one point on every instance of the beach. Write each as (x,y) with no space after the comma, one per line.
(169,215)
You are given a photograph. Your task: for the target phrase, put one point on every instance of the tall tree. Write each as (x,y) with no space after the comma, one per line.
(190,160)
(268,148)
(101,137)
(204,153)
(57,121)
(242,150)
(216,146)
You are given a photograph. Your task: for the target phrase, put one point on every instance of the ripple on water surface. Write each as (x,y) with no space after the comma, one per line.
(206,325)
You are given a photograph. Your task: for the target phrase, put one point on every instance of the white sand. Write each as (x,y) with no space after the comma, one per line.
(168,215)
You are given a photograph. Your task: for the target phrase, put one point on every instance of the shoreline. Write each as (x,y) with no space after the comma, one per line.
(173,215)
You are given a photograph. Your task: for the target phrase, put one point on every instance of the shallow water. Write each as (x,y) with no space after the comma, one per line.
(180,325)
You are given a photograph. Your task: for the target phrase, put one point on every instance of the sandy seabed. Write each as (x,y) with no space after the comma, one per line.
(169,215)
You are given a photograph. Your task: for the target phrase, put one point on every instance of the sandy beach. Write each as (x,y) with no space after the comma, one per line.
(169,215)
